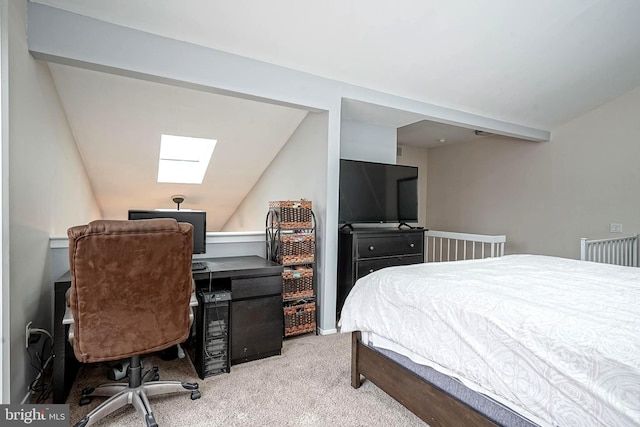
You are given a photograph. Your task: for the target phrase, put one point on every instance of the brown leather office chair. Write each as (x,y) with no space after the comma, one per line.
(130,295)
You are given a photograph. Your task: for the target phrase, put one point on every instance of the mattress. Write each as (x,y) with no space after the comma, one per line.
(551,338)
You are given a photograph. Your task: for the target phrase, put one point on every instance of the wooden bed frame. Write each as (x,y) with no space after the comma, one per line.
(431,404)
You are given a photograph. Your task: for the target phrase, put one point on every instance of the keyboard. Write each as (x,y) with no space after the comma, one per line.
(197,266)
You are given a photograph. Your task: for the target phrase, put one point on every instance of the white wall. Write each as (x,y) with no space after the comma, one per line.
(48,189)
(298,171)
(544,195)
(368,142)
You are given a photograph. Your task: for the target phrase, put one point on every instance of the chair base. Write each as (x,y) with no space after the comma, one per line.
(136,393)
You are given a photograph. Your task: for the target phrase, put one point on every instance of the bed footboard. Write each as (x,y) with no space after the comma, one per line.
(427,402)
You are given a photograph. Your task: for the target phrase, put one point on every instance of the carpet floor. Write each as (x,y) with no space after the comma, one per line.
(308,385)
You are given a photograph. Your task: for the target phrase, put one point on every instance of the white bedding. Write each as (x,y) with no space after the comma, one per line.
(558,340)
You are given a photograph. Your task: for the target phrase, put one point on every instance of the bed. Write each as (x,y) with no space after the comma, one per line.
(518,340)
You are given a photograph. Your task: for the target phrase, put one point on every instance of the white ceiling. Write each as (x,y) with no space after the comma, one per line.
(536,63)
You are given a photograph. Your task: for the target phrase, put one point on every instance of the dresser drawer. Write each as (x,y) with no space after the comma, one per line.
(256,287)
(369,266)
(404,244)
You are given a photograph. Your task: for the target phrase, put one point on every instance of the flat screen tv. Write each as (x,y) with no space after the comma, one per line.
(377,193)
(196,218)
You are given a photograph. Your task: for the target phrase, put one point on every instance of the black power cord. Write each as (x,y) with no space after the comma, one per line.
(41,387)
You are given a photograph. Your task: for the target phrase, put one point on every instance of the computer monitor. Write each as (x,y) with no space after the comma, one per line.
(196,218)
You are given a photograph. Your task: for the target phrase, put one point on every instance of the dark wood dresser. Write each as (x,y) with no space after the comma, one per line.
(364,251)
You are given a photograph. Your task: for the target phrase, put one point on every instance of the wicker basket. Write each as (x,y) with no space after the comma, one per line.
(296,248)
(293,214)
(298,283)
(299,319)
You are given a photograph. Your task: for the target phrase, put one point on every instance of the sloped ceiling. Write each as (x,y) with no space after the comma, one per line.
(536,63)
(117,123)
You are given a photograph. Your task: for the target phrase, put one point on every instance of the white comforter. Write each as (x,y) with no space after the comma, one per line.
(556,339)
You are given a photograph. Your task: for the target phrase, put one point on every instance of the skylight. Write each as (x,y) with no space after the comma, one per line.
(183,159)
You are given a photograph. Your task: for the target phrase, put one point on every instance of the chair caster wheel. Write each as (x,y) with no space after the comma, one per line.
(151,421)
(118,371)
(85,400)
(83,422)
(195,394)
(190,386)
(88,390)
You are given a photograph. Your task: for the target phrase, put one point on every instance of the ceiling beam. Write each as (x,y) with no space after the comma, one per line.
(67,38)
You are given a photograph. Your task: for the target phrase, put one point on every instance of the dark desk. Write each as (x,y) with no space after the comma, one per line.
(256,303)
(256,313)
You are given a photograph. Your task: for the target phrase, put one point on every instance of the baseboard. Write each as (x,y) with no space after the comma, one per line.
(327,331)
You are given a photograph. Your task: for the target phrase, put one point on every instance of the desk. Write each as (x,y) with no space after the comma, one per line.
(256,313)
(256,303)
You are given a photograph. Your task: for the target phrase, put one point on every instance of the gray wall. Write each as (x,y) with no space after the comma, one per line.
(5,319)
(48,189)
(413,156)
(544,196)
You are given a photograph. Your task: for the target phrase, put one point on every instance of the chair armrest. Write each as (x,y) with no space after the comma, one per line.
(68,316)
(193,302)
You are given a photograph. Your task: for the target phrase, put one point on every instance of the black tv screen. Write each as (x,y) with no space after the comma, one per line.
(196,218)
(377,193)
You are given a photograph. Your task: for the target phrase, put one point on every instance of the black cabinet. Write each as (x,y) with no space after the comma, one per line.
(256,328)
(256,303)
(364,251)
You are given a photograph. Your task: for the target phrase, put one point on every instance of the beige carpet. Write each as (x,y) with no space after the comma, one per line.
(308,385)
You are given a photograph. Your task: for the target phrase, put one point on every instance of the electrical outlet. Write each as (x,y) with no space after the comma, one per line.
(27,334)
(615,228)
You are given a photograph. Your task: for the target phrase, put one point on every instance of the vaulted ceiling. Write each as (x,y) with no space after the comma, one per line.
(533,63)
(537,63)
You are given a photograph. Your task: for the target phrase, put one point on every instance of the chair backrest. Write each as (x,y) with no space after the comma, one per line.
(130,287)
